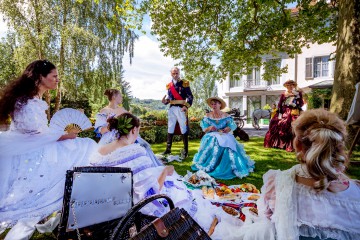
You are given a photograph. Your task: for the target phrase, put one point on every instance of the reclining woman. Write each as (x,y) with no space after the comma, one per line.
(150,179)
(113,109)
(34,159)
(220,155)
(314,198)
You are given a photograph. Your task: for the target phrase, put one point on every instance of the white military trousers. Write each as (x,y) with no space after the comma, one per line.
(176,115)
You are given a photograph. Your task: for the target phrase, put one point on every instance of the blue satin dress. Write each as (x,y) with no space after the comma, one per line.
(220,155)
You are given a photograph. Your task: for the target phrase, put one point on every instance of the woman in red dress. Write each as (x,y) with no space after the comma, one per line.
(280,132)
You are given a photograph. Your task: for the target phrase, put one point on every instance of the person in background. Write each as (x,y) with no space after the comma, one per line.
(34,158)
(273,110)
(113,109)
(314,199)
(220,155)
(180,99)
(280,133)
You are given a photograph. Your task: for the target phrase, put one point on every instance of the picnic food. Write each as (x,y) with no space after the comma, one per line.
(246,187)
(230,210)
(253,197)
(211,193)
(253,210)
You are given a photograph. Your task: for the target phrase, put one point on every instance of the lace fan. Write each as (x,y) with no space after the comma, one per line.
(70,120)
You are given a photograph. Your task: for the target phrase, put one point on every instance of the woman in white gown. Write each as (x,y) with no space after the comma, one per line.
(113,110)
(33,159)
(314,199)
(150,179)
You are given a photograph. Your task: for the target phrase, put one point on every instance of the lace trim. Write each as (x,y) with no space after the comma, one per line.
(120,155)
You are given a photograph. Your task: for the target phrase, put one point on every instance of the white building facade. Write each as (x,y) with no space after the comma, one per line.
(313,68)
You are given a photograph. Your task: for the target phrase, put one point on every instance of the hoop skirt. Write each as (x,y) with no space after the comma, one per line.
(220,155)
(108,137)
(280,133)
(33,166)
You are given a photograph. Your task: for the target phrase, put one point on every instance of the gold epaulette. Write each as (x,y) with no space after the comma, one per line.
(167,86)
(186,83)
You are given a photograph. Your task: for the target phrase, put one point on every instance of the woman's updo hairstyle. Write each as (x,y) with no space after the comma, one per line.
(320,145)
(123,124)
(111,92)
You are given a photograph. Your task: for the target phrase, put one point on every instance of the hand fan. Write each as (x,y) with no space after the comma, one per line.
(70,120)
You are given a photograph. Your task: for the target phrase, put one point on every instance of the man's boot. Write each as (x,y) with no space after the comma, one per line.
(168,143)
(184,153)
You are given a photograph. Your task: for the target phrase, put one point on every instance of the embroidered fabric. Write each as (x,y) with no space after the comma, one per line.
(219,150)
(306,212)
(33,165)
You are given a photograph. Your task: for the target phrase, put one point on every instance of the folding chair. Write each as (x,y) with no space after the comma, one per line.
(95,198)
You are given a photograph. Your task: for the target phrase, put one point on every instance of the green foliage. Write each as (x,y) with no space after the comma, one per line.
(85,40)
(203,87)
(238,33)
(78,104)
(316,97)
(124,125)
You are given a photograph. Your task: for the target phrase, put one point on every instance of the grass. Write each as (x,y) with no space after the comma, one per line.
(265,159)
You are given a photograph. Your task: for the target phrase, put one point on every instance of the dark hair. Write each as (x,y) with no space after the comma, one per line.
(111,92)
(123,123)
(24,87)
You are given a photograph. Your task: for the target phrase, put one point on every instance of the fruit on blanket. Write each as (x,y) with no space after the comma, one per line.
(248,187)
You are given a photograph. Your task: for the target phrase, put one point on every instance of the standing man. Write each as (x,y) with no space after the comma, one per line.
(180,99)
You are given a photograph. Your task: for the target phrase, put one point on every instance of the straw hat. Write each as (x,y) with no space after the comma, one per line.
(290,82)
(223,104)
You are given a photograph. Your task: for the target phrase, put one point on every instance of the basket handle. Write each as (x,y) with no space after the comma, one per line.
(124,222)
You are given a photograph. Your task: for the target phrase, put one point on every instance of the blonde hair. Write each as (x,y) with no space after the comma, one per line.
(319,144)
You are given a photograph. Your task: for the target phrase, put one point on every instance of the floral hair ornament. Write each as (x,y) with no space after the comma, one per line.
(124,125)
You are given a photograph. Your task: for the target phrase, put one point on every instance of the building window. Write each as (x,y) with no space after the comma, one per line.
(236,102)
(317,67)
(235,80)
(254,77)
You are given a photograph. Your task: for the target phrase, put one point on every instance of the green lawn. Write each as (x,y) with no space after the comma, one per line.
(265,159)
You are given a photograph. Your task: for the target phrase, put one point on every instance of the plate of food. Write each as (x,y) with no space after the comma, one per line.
(199,179)
(231,211)
(245,187)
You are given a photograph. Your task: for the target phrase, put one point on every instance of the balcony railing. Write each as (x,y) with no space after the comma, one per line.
(255,85)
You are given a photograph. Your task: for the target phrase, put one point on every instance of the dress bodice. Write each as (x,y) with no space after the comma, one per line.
(220,123)
(30,117)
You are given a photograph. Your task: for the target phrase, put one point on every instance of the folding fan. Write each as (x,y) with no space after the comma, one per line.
(70,120)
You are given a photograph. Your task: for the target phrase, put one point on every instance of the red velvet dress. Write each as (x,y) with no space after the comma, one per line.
(280,133)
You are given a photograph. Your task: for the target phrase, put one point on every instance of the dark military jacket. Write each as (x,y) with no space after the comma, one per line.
(183,88)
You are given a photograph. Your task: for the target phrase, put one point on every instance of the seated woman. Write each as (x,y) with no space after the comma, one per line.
(220,155)
(113,110)
(34,159)
(314,198)
(150,179)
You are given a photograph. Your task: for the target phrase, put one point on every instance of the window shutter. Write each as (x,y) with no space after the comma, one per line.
(309,68)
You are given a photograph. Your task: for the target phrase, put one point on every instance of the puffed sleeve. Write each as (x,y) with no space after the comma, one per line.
(101,121)
(231,124)
(204,123)
(30,117)
(269,194)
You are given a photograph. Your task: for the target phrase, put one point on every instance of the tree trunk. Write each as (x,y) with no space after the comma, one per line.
(347,67)
(62,59)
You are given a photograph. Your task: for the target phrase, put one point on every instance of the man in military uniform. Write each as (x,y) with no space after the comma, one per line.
(180,99)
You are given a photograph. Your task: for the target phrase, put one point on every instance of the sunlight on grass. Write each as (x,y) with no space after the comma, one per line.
(265,159)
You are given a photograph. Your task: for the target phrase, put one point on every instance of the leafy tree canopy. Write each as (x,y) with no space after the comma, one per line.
(238,33)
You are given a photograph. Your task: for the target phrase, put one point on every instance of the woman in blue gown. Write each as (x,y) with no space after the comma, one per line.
(220,155)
